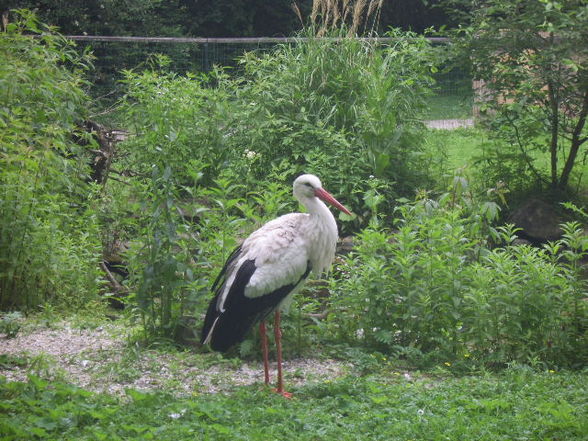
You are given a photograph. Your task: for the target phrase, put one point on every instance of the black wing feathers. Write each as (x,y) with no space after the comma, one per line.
(211,313)
(223,272)
(241,312)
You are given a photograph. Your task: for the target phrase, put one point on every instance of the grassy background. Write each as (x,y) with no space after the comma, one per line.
(449,107)
(464,145)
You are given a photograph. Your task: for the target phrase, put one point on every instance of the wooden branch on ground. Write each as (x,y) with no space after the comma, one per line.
(116,286)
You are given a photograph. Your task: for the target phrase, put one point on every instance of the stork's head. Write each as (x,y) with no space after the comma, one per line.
(307,187)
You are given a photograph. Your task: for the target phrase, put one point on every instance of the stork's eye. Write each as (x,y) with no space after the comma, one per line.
(308,184)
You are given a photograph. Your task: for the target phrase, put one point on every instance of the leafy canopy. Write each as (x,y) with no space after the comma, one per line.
(531,57)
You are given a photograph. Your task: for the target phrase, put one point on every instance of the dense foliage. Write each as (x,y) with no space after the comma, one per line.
(432,282)
(49,235)
(346,108)
(435,289)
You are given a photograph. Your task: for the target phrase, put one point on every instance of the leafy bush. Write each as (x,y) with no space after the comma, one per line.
(342,108)
(527,305)
(435,290)
(49,241)
(161,262)
(181,122)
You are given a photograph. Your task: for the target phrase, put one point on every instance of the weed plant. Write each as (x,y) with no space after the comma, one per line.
(164,276)
(518,404)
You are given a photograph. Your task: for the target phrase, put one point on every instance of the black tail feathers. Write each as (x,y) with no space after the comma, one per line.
(228,330)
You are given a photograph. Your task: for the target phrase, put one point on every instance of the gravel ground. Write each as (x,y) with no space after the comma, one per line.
(101,360)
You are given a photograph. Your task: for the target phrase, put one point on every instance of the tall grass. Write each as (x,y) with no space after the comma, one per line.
(344,109)
(346,16)
(49,241)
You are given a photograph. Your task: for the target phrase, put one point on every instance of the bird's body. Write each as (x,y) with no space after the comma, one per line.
(263,273)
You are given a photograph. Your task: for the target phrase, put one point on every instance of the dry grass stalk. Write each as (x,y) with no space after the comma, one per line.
(346,9)
(314,12)
(358,9)
(298,12)
(328,15)
(336,13)
(374,10)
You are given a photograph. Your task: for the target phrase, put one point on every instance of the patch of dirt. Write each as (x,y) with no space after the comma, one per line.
(101,360)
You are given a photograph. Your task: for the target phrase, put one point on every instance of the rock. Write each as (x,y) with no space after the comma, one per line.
(345,245)
(539,221)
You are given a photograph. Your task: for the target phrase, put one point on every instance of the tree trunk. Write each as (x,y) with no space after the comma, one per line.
(554,118)
(577,141)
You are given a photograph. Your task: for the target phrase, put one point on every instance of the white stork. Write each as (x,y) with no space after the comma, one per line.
(262,274)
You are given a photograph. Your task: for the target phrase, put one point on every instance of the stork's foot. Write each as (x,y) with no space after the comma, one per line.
(283,393)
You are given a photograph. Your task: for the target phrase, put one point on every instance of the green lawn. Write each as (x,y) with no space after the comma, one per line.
(463,146)
(449,107)
(518,404)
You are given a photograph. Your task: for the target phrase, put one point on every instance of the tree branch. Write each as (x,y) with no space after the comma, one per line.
(525,156)
(576,142)
(116,286)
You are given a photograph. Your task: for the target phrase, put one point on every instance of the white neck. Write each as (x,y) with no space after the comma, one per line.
(322,232)
(316,207)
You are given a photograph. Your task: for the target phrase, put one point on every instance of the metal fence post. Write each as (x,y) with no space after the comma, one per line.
(205,60)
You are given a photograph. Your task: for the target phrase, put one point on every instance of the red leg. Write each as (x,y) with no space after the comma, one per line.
(264,350)
(278,334)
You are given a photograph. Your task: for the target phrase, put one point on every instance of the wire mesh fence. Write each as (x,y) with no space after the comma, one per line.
(452,98)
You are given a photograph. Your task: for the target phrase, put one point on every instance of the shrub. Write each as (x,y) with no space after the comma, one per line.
(342,108)
(49,241)
(434,290)
(181,122)
(523,306)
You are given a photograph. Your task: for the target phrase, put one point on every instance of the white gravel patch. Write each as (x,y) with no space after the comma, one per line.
(101,360)
(449,124)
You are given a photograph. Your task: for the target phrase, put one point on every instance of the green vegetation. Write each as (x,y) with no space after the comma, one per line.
(436,289)
(342,109)
(517,404)
(434,282)
(49,234)
(532,59)
(200,144)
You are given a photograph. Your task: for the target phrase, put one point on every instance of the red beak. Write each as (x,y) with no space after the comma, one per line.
(324,195)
